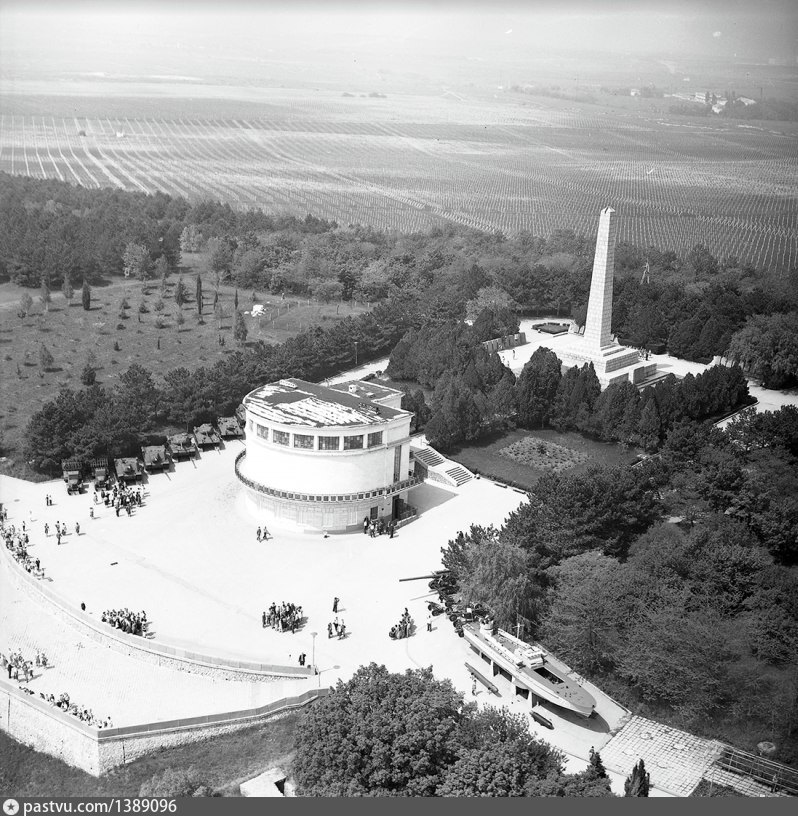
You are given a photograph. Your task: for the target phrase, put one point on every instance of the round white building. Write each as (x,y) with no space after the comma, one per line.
(326,457)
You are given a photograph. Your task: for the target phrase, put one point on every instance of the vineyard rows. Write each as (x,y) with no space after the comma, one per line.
(732,189)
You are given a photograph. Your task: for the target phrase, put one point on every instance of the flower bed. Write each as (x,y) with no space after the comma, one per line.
(543,455)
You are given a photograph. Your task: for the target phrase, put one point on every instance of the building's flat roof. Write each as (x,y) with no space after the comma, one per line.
(367,389)
(298,402)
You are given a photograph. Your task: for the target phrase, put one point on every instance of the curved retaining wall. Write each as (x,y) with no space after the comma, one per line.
(47,729)
(152,651)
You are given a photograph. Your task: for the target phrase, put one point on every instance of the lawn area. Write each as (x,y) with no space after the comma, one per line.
(222,763)
(143,329)
(564,453)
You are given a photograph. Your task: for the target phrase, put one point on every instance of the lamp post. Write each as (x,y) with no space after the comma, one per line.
(334,668)
(313,651)
(356,353)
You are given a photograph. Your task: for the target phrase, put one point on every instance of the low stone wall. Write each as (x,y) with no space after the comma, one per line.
(141,648)
(47,729)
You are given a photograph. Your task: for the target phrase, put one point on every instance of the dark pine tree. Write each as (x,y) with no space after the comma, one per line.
(85,295)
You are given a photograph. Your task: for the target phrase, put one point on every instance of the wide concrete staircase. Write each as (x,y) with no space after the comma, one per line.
(435,467)
(459,474)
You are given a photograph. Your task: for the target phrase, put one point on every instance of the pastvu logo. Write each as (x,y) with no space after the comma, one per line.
(11,807)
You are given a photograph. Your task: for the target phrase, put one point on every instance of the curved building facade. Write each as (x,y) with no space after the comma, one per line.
(326,457)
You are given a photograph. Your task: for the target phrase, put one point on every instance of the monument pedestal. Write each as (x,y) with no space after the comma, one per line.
(613,363)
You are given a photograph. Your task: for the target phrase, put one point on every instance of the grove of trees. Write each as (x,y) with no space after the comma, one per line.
(671,583)
(53,231)
(384,734)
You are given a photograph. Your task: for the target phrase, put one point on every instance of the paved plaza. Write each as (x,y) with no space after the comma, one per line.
(190,558)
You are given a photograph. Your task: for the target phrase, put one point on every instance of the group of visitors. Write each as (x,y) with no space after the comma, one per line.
(16,542)
(134,623)
(60,530)
(120,497)
(263,534)
(336,628)
(376,527)
(18,667)
(404,628)
(285,617)
(85,715)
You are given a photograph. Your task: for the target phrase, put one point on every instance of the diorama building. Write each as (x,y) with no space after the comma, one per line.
(612,361)
(326,457)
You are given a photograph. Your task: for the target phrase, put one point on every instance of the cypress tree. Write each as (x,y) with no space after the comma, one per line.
(199,295)
(85,294)
(44,295)
(638,784)
(239,329)
(596,769)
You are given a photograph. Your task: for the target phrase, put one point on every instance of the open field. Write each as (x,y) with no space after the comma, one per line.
(502,161)
(70,334)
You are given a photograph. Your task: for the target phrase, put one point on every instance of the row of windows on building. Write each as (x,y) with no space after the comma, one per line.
(308,441)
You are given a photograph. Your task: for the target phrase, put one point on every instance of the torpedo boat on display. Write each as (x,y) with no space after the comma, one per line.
(528,667)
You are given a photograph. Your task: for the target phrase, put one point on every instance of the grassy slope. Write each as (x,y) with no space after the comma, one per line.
(222,762)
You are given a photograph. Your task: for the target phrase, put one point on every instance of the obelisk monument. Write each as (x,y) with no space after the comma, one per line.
(598,326)
(613,363)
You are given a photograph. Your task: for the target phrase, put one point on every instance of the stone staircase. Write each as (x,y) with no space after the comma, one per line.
(430,457)
(459,474)
(435,467)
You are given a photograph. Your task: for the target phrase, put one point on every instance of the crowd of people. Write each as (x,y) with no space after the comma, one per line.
(134,623)
(121,497)
(85,715)
(376,527)
(404,628)
(286,617)
(16,541)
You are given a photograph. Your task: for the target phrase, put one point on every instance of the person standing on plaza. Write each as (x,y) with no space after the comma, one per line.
(365,525)
(329,630)
(77,528)
(47,529)
(335,604)
(263,619)
(257,535)
(429,622)
(474,686)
